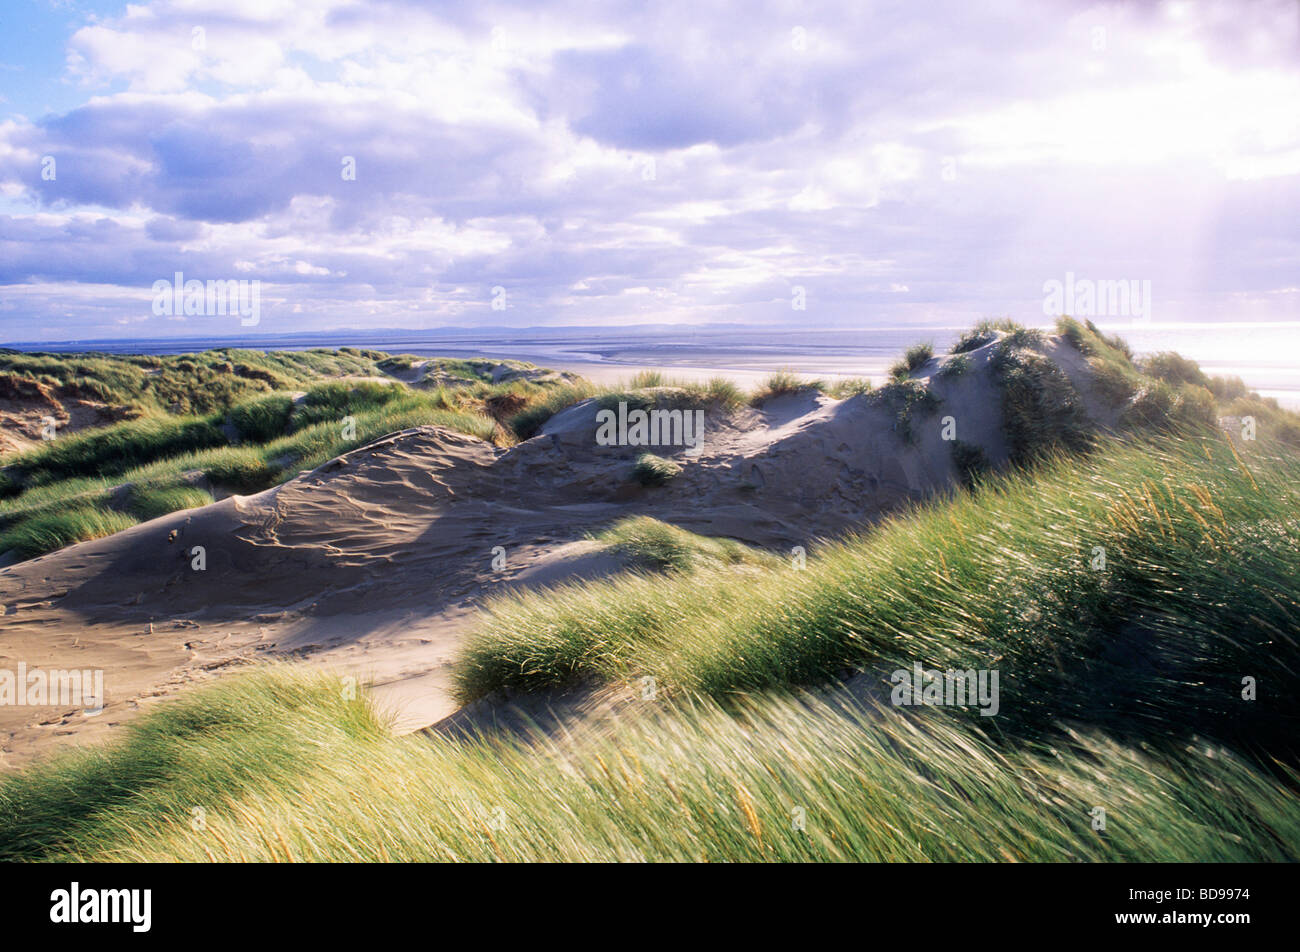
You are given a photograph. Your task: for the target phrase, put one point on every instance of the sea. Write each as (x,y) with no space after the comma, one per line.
(1266,355)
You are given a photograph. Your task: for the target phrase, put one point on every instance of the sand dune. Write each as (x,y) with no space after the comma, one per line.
(375,562)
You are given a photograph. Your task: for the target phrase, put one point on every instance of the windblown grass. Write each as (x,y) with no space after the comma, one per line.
(115,449)
(278,767)
(53,530)
(1160,636)
(916,357)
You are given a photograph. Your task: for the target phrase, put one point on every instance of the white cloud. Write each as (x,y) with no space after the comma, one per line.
(677,157)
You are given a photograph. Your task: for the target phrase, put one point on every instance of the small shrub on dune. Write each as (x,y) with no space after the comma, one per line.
(1164,406)
(723,393)
(955,367)
(906,400)
(1025,337)
(648,378)
(1152,407)
(1226,389)
(1195,407)
(972,340)
(651,390)
(918,355)
(330,402)
(1042,412)
(1076,335)
(914,358)
(652,470)
(398,363)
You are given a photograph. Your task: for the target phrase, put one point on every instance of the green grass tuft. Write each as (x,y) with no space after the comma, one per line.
(658,545)
(652,470)
(53,530)
(783,383)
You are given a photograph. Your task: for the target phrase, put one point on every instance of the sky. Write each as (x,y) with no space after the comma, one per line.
(398,164)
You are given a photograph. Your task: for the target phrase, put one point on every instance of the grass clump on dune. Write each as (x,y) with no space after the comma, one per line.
(916,357)
(1174,368)
(652,470)
(783,383)
(906,400)
(849,387)
(985,332)
(955,367)
(970,462)
(187,754)
(543,405)
(716,395)
(658,545)
(52,530)
(262,419)
(1042,412)
(280,767)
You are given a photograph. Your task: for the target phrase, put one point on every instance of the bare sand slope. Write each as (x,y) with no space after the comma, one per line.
(375,562)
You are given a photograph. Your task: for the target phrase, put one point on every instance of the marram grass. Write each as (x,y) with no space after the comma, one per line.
(276,766)
(651,544)
(1133,589)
